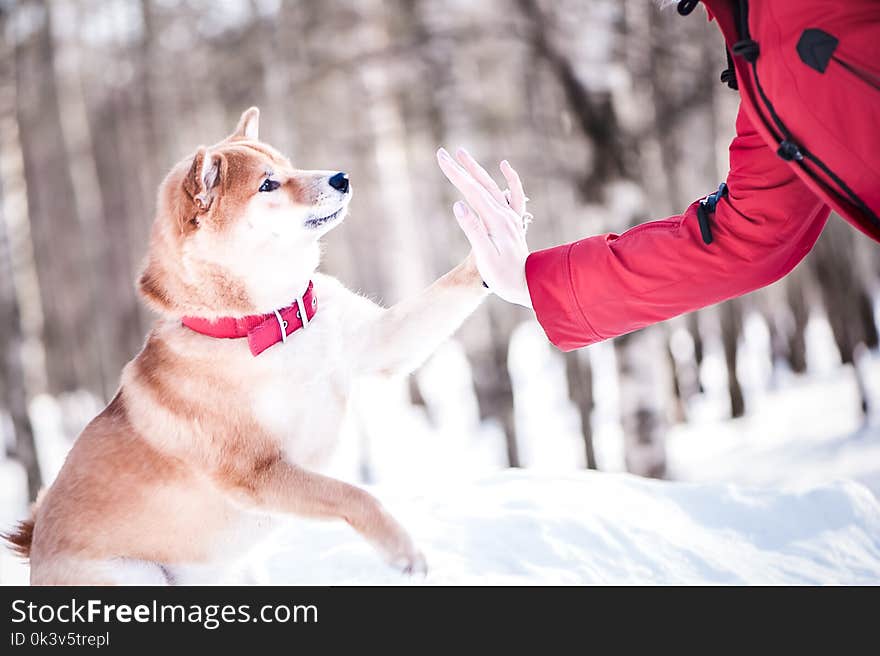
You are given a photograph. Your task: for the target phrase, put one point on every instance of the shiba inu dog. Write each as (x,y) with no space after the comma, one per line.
(221,422)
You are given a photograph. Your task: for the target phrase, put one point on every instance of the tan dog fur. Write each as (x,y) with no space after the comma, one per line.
(205,446)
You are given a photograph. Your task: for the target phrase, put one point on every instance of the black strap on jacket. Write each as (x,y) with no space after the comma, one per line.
(728,75)
(707,207)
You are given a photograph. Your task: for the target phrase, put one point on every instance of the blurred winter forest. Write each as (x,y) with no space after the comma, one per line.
(612,111)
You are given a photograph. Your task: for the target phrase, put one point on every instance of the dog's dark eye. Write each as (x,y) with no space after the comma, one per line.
(269,185)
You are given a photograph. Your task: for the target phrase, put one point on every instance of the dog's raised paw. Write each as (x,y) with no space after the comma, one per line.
(411,564)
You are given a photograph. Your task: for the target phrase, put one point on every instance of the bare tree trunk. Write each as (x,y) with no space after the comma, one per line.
(731,327)
(154,113)
(492,383)
(693,324)
(845,296)
(681,373)
(17,277)
(800,315)
(12,379)
(120,208)
(12,383)
(643,382)
(13,386)
(72,351)
(579,374)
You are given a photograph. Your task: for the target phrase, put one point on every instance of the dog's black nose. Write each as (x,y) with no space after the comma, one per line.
(339,182)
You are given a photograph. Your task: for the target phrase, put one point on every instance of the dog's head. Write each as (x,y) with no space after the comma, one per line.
(237,228)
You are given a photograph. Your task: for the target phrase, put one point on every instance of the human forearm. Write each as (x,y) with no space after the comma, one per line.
(609,285)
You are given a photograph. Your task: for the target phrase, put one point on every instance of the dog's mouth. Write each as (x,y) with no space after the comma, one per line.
(316,221)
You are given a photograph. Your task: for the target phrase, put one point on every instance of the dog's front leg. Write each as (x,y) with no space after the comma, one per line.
(278,486)
(400,338)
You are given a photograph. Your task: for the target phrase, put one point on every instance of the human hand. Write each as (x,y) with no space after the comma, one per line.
(494,222)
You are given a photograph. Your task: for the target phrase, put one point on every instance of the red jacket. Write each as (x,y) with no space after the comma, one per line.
(816,100)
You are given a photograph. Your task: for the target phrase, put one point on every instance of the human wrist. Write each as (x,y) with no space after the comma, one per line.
(469,274)
(517,291)
(525,295)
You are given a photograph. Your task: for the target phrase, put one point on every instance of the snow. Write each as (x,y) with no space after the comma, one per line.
(524,527)
(799,430)
(783,495)
(807,433)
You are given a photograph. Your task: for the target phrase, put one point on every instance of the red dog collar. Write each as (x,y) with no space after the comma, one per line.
(261,330)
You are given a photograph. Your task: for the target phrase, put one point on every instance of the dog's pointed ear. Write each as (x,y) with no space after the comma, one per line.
(203,178)
(248,125)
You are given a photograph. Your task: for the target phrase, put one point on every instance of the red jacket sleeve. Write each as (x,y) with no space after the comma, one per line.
(608,285)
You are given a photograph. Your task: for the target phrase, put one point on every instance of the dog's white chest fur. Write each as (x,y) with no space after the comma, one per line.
(302,387)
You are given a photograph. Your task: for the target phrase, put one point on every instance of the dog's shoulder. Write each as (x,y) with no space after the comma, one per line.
(329,286)
(345,303)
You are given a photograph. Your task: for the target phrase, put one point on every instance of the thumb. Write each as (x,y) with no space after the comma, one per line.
(471,225)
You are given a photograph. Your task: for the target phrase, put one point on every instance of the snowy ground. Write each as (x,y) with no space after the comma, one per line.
(520,527)
(517,527)
(807,433)
(779,496)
